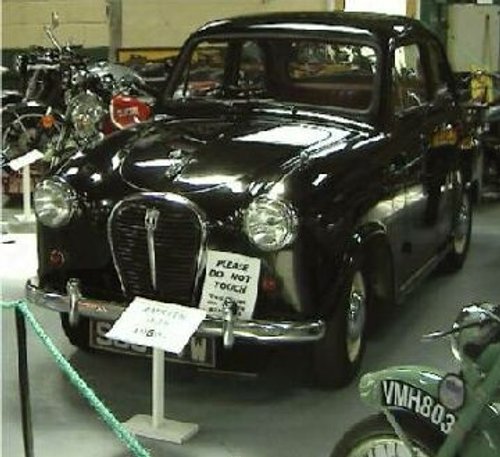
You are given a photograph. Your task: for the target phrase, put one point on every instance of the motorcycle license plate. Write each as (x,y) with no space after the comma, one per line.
(398,394)
(199,350)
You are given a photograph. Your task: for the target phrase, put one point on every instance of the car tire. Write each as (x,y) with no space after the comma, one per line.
(375,434)
(77,335)
(461,235)
(337,356)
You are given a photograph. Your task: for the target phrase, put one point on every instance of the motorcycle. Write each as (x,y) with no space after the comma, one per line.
(490,139)
(66,104)
(482,108)
(429,413)
(29,124)
(101,98)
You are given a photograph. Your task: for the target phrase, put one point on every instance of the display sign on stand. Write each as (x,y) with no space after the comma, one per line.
(163,327)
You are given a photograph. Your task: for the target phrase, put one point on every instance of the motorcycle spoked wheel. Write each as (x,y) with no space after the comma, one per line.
(374,436)
(25,133)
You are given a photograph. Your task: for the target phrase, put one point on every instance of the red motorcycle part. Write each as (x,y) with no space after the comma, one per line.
(47,121)
(126,111)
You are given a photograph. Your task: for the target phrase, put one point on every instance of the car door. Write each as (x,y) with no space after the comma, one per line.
(409,108)
(429,160)
(441,136)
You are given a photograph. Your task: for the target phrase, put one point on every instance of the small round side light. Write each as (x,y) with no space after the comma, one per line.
(56,258)
(452,392)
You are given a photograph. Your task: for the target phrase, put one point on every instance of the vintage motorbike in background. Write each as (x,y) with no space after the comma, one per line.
(9,97)
(66,103)
(490,135)
(481,91)
(429,413)
(100,99)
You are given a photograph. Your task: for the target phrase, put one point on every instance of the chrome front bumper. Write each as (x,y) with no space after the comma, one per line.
(229,328)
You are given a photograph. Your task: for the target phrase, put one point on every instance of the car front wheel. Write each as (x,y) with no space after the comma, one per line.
(337,357)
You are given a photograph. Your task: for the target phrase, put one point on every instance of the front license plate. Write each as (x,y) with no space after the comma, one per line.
(199,351)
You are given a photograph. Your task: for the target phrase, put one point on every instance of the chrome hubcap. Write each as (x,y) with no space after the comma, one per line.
(461,231)
(356,317)
(384,447)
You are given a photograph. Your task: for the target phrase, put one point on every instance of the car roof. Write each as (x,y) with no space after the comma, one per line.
(343,22)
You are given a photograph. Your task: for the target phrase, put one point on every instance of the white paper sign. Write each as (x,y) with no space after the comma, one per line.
(155,324)
(230,276)
(26,159)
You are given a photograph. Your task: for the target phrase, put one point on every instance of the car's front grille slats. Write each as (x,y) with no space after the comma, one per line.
(178,240)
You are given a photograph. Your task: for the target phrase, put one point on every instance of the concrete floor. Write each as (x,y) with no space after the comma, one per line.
(275,414)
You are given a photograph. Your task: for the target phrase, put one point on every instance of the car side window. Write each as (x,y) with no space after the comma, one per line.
(408,79)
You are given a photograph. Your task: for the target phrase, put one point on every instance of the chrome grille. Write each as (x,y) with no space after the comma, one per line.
(178,241)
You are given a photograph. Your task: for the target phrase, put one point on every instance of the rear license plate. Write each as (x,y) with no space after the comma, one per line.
(199,350)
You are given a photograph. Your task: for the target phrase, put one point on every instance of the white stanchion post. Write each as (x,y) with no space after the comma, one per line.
(156,426)
(26,191)
(158,387)
(27,215)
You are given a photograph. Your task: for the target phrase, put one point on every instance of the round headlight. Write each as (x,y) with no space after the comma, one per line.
(451,392)
(270,224)
(86,112)
(55,202)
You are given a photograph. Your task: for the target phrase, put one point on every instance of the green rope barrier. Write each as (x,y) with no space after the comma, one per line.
(118,429)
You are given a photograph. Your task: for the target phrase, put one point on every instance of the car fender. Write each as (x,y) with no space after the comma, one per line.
(356,251)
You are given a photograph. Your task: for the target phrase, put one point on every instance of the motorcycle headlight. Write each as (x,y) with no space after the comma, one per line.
(270,224)
(451,392)
(55,202)
(86,113)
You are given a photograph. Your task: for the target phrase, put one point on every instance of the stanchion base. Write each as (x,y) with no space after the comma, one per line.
(169,430)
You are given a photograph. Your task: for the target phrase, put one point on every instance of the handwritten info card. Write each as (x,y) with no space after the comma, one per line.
(155,324)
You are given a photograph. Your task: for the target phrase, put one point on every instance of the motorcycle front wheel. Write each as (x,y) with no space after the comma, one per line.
(374,436)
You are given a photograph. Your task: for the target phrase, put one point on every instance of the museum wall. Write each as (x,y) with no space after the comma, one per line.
(145,22)
(82,22)
(163,28)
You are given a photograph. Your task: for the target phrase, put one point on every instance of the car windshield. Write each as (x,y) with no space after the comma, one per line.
(316,72)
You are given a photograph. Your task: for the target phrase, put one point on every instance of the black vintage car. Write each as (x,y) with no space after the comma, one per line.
(304,176)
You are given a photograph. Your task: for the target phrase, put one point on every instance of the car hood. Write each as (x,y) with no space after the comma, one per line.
(201,155)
